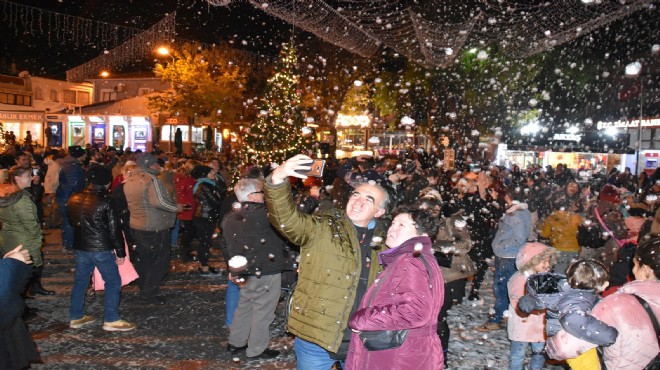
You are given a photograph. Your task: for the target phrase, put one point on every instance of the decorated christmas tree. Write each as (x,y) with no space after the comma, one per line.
(279,131)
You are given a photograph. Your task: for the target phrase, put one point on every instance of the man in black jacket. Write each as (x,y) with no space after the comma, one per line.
(248,233)
(96,239)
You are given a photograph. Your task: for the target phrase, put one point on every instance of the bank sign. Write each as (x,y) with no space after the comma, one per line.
(632,124)
(16,116)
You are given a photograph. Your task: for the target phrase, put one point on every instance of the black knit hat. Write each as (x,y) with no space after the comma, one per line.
(76,151)
(200,171)
(99,175)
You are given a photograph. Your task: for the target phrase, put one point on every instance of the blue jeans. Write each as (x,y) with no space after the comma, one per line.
(310,356)
(517,355)
(504,269)
(174,239)
(107,265)
(67,229)
(232,296)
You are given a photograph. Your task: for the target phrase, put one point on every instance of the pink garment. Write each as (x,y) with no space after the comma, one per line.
(636,344)
(126,272)
(404,301)
(520,327)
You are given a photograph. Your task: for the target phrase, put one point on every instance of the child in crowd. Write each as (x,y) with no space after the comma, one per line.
(568,301)
(522,329)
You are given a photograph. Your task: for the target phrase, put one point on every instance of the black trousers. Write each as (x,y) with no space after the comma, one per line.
(204,231)
(151,258)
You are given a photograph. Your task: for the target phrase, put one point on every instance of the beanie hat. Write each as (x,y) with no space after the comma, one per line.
(529,251)
(146,160)
(200,171)
(99,175)
(76,151)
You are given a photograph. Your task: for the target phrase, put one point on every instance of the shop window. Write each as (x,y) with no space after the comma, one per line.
(54,96)
(38,94)
(108,95)
(69,96)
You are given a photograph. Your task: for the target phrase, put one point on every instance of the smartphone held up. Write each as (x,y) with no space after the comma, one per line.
(316,169)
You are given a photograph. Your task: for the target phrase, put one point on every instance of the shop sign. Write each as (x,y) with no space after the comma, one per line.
(627,124)
(15,116)
(567,137)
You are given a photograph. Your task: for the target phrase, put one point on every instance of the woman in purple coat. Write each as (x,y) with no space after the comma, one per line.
(408,295)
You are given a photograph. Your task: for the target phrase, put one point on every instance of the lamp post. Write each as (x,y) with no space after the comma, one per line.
(634,70)
(164,51)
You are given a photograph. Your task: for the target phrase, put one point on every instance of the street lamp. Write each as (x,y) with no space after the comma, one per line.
(634,70)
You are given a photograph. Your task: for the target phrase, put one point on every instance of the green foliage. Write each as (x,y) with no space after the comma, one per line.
(277,131)
(204,84)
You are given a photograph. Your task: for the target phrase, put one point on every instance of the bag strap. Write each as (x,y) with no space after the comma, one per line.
(385,273)
(654,320)
(600,220)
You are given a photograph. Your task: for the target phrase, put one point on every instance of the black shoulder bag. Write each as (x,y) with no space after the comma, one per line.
(655,362)
(378,340)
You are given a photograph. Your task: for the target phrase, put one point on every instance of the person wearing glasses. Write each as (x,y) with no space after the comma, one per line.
(248,233)
(338,262)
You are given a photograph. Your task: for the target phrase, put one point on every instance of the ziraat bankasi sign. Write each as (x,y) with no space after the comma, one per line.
(632,124)
(21,116)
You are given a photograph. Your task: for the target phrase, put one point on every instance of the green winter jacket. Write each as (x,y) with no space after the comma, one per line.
(20,225)
(329,268)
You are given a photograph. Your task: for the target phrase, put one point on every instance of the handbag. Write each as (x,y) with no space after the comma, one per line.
(126,272)
(379,340)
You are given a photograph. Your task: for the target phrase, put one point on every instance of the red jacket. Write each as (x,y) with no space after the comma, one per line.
(184,192)
(404,301)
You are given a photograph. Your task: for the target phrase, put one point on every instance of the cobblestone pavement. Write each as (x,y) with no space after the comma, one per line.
(187,332)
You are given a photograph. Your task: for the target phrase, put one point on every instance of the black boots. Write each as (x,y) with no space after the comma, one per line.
(36,288)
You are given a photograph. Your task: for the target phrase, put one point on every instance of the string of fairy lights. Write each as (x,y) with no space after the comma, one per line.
(134,49)
(278,129)
(433,32)
(60,28)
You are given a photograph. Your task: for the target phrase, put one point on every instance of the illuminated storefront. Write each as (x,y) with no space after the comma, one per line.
(118,130)
(76,131)
(22,122)
(139,129)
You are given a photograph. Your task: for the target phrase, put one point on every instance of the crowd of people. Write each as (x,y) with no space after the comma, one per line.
(378,250)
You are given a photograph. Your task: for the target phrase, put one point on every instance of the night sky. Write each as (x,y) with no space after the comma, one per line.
(240,24)
(599,55)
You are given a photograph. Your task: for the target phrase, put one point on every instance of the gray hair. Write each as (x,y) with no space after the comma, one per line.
(245,187)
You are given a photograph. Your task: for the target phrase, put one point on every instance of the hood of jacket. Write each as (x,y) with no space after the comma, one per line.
(9,194)
(408,247)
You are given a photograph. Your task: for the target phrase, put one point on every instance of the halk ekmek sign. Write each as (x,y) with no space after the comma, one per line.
(22,116)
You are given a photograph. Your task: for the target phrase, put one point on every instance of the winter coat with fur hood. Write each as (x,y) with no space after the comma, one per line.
(636,344)
(522,327)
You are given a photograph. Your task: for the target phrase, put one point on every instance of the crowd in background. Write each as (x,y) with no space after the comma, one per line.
(538,221)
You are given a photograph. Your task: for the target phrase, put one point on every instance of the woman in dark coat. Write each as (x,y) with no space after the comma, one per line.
(205,218)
